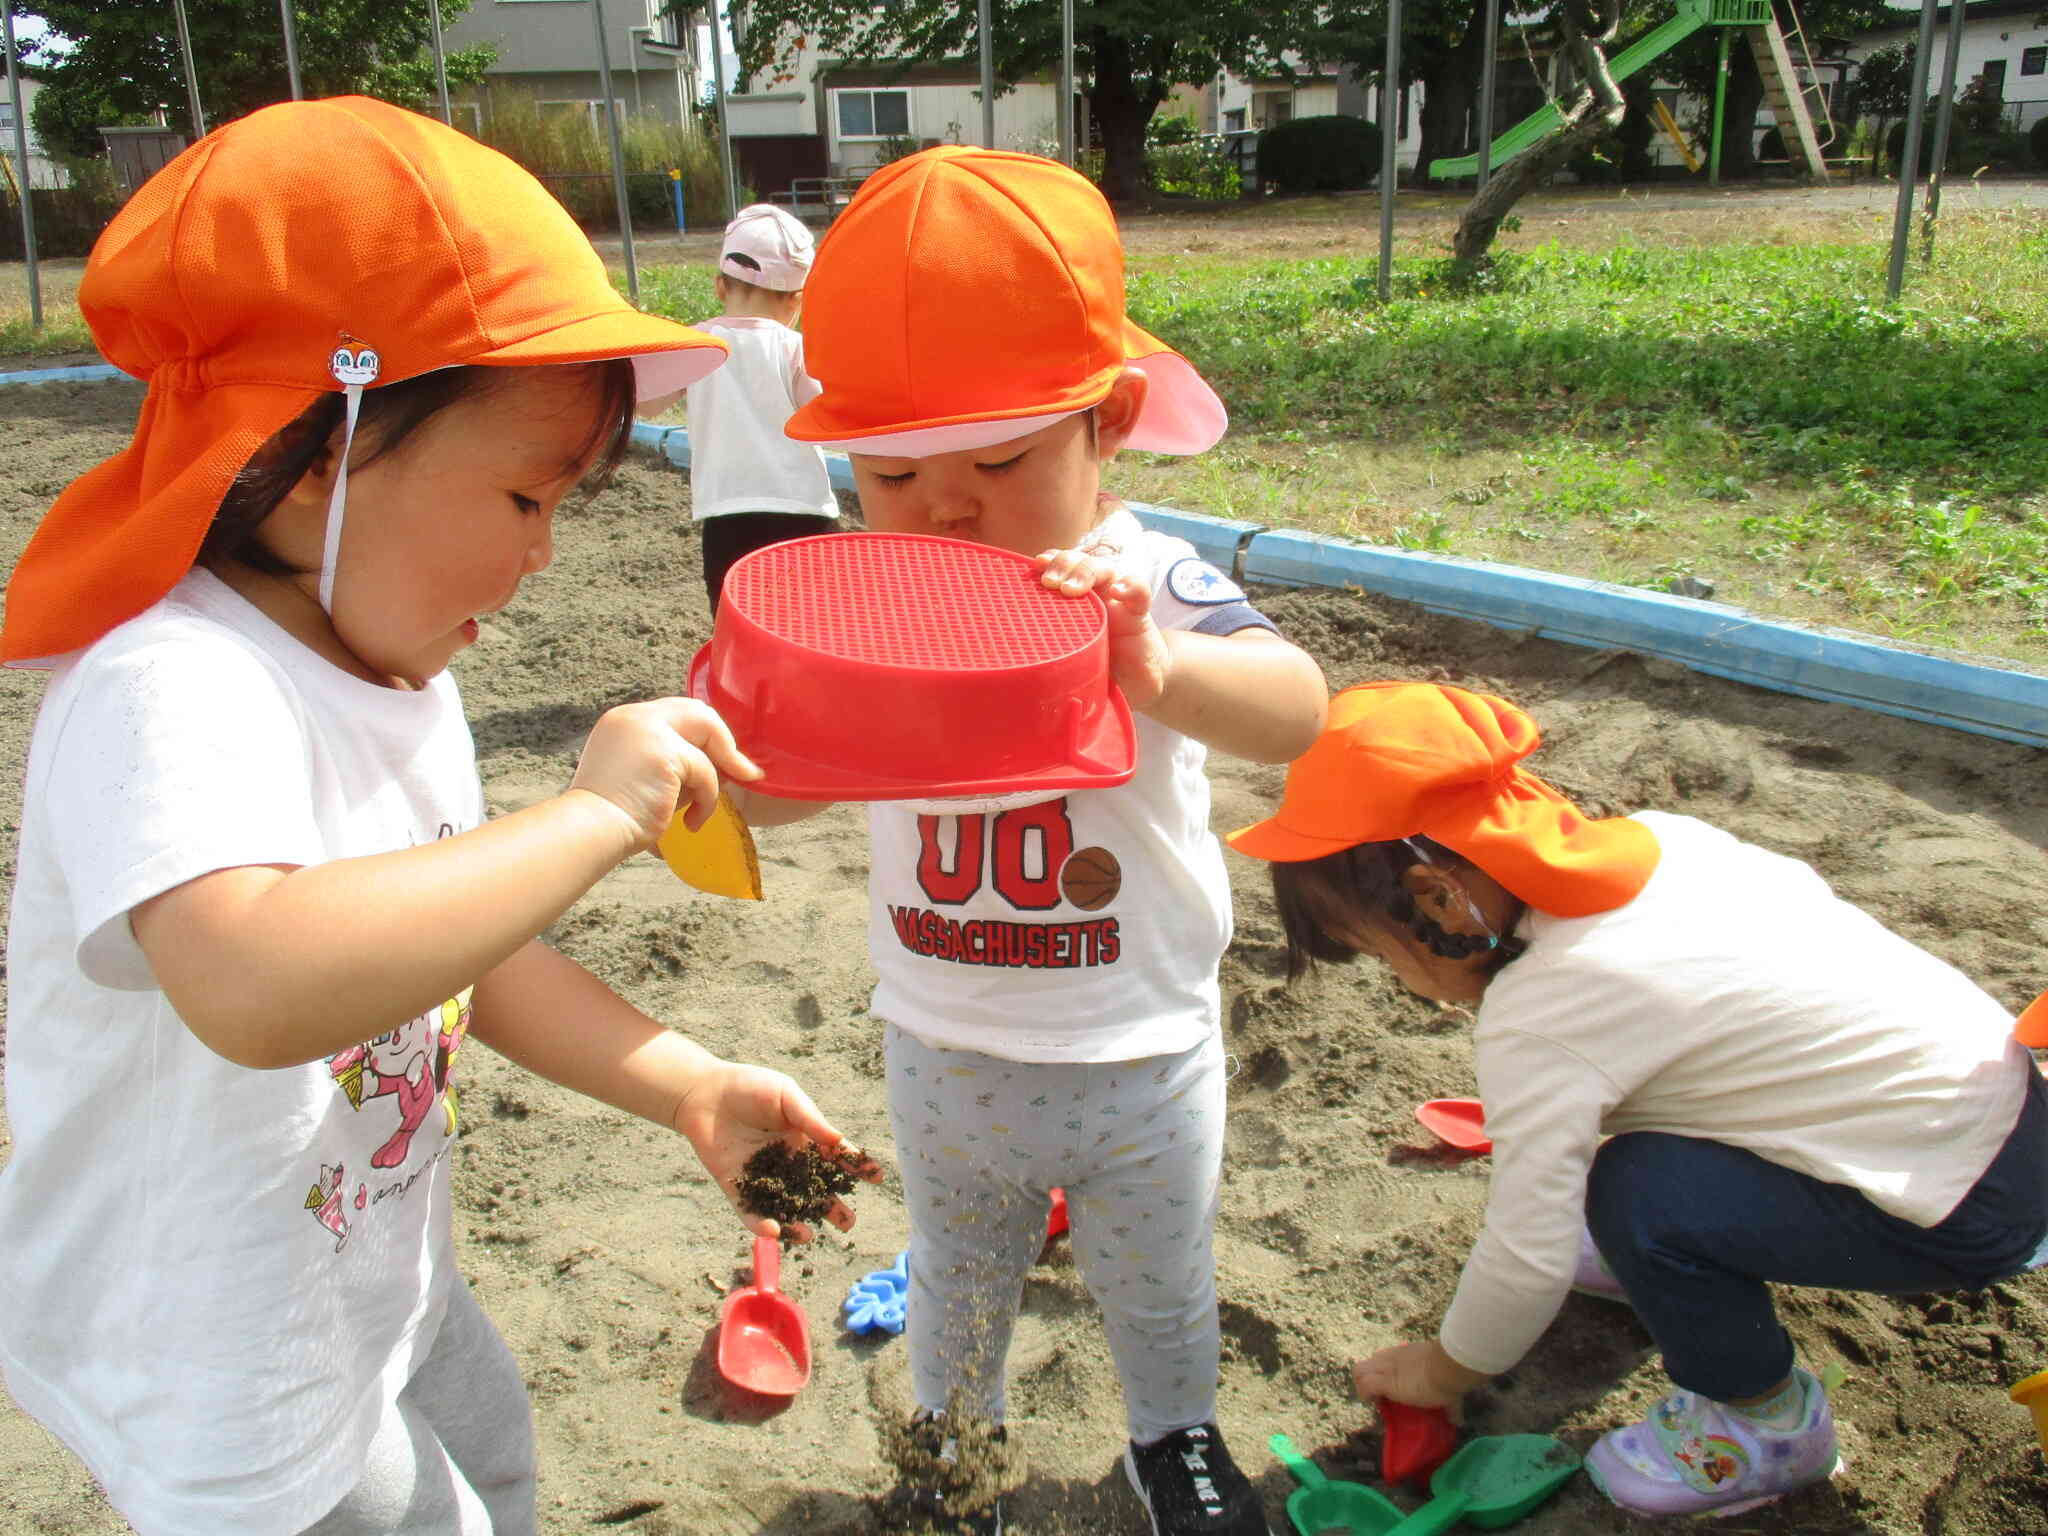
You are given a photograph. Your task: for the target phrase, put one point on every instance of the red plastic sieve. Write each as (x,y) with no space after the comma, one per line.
(895,666)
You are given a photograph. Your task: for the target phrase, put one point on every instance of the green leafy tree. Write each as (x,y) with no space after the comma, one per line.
(117,61)
(1131,53)
(1882,90)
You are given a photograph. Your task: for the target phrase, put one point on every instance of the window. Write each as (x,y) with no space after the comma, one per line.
(873,114)
(1994,79)
(2034,61)
(1233,120)
(7,118)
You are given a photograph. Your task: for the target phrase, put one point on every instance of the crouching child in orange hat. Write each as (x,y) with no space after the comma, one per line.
(966,320)
(259,909)
(1789,1092)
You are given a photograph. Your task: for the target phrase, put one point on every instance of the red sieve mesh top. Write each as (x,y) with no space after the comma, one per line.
(910,600)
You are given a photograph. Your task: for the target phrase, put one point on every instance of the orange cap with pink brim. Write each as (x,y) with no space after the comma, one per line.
(307,248)
(1400,760)
(966,297)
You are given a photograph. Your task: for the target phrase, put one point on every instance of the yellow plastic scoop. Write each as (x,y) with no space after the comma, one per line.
(2032,1394)
(718,857)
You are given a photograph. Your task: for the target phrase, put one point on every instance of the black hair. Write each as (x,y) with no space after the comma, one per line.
(386,418)
(1318,899)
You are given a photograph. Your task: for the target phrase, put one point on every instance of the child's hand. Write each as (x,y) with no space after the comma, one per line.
(1139,661)
(648,758)
(733,1110)
(1421,1374)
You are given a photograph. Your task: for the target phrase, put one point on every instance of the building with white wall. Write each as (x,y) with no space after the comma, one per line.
(549,48)
(2004,41)
(859,113)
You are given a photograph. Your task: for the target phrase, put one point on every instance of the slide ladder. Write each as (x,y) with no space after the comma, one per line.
(1786,97)
(1755,15)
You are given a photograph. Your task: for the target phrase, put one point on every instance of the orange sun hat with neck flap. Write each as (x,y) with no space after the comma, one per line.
(308,248)
(967,297)
(1401,760)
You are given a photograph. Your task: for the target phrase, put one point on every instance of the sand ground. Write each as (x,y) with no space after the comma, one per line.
(603,1254)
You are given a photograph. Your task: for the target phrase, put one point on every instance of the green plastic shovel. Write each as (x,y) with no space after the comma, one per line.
(1325,1504)
(1491,1482)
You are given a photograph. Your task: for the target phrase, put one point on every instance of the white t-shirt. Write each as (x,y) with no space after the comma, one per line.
(1736,999)
(975,943)
(740,461)
(214,1277)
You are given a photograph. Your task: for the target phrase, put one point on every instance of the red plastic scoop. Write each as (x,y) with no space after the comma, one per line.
(1414,1442)
(1461,1122)
(890,666)
(764,1344)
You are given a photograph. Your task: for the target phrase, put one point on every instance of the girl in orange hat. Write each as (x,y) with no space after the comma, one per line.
(259,908)
(1787,1092)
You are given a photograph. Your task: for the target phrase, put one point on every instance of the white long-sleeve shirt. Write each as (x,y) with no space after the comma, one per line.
(1735,999)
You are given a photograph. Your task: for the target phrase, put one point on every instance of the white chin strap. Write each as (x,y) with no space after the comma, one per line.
(337,502)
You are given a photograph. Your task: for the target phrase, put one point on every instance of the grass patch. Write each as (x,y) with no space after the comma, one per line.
(1752,415)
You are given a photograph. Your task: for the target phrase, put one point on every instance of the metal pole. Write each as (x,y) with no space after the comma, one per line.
(1944,112)
(191,73)
(440,62)
(1909,166)
(291,47)
(1486,92)
(611,118)
(1067,151)
(28,202)
(988,76)
(1720,110)
(732,185)
(1390,121)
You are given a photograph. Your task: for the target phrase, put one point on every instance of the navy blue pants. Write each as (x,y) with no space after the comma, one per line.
(1697,1230)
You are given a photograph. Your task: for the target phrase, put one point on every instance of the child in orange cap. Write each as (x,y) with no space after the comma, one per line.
(751,486)
(966,320)
(259,908)
(1789,1092)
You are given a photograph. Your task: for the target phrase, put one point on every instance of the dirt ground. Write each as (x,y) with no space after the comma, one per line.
(603,1253)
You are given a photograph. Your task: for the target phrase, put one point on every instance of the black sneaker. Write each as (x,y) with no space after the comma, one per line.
(924,1502)
(1191,1487)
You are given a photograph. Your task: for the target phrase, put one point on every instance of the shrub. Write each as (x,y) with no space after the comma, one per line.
(2037,141)
(1319,154)
(1198,167)
(571,155)
(1967,149)
(68,219)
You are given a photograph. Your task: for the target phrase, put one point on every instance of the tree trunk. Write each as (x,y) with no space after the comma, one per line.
(1738,125)
(1123,108)
(1598,109)
(1450,98)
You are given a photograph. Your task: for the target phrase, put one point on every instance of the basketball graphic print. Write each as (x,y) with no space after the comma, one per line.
(1090,878)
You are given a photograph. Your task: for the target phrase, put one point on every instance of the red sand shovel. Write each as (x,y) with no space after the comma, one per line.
(763,1342)
(1414,1442)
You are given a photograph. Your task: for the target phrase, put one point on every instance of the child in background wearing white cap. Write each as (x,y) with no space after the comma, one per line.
(750,486)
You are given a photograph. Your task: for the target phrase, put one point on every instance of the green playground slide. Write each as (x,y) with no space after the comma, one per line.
(1540,124)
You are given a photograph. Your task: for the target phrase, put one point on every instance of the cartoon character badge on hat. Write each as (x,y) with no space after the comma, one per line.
(354,369)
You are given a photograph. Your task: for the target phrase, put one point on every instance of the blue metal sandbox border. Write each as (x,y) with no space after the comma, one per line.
(1715,638)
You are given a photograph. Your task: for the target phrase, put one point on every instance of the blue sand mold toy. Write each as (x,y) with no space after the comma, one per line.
(876,1302)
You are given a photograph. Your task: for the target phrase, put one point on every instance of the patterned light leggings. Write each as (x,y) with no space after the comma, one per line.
(453,1455)
(1138,1148)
